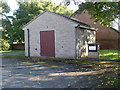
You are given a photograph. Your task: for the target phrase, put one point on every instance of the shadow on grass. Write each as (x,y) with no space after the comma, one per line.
(110,54)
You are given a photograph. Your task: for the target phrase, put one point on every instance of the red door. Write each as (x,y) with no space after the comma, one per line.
(47,43)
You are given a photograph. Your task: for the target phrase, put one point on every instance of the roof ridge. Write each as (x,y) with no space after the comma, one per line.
(75,20)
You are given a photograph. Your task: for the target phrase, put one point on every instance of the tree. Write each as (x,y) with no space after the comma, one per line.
(4,9)
(7,30)
(103,12)
(63,10)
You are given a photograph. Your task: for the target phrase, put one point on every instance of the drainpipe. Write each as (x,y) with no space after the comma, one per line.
(28,42)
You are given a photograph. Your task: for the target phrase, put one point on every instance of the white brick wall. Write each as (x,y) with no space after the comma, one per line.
(64,35)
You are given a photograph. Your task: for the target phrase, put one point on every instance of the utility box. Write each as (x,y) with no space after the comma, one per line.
(93,51)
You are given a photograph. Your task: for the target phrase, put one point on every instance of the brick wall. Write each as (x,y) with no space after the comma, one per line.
(105,36)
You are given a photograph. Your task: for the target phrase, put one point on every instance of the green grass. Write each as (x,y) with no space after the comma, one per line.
(13,52)
(104,54)
(110,54)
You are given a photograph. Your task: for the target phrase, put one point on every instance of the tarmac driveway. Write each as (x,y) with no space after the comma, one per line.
(21,73)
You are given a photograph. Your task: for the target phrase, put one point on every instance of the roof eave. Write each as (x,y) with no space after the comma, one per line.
(88,28)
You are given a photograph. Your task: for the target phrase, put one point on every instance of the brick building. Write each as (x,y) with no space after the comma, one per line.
(107,37)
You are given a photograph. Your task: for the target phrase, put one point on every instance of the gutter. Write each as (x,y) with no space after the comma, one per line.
(89,28)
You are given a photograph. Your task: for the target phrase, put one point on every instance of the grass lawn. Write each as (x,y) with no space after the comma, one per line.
(13,52)
(104,54)
(110,54)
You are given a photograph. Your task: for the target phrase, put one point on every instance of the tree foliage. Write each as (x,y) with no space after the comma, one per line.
(103,11)
(4,45)
(4,8)
(4,22)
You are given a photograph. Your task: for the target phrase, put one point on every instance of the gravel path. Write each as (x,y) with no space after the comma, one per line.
(21,73)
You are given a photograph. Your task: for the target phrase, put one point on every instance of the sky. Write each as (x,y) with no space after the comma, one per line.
(13,5)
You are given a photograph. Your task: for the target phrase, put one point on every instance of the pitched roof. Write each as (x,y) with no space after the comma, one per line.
(80,11)
(115,29)
(74,20)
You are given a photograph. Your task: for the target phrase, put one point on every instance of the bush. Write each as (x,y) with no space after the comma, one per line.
(4,45)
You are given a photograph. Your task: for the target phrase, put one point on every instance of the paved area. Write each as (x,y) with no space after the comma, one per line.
(19,73)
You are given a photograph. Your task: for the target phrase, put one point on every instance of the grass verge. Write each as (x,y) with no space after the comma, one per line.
(104,54)
(110,54)
(13,52)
